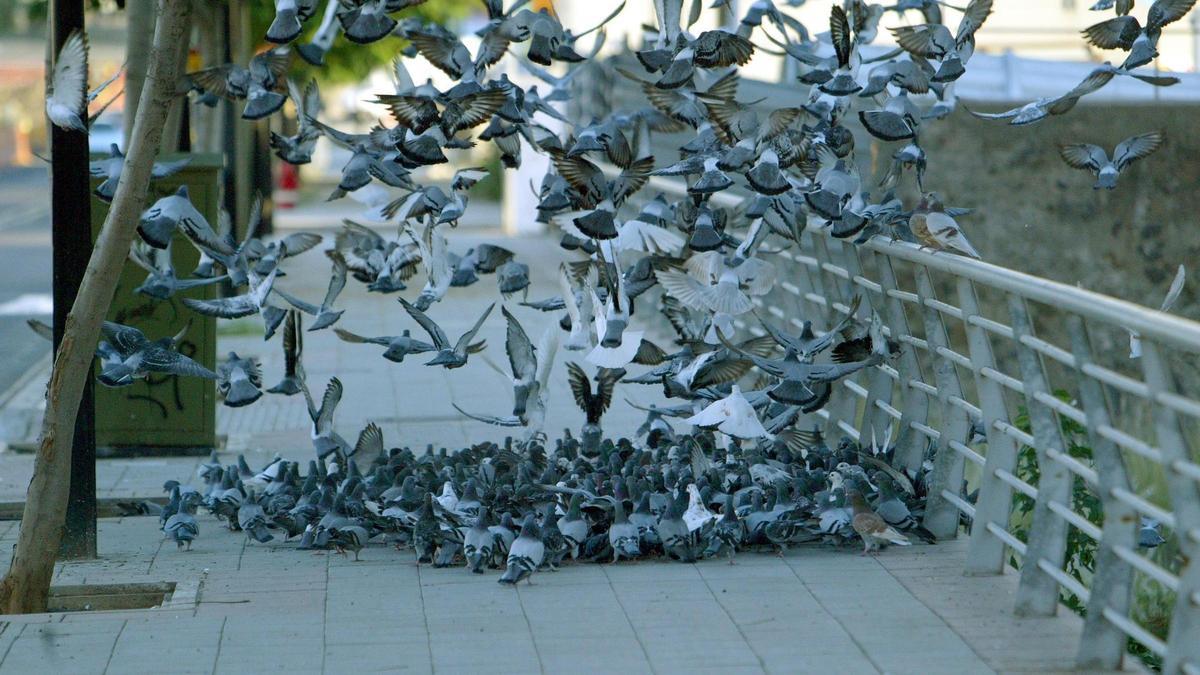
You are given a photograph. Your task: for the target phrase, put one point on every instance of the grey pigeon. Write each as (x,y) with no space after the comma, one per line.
(448,356)
(253,520)
(1093,158)
(324,438)
(134,356)
(479,544)
(257,83)
(398,346)
(110,170)
(623,535)
(290,16)
(182,527)
(239,380)
(525,555)
(1150,533)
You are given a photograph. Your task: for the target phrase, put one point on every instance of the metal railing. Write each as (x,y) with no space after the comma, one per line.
(1042,398)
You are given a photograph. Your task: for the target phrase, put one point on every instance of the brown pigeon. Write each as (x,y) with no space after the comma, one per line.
(871,527)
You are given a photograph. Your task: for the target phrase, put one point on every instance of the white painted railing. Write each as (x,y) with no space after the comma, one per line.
(972,354)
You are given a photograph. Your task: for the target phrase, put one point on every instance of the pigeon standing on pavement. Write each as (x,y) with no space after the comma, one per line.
(182,526)
(871,527)
(525,555)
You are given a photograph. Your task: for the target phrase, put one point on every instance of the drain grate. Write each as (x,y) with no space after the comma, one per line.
(108,597)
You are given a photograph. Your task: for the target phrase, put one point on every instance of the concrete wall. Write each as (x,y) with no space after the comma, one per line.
(1037,215)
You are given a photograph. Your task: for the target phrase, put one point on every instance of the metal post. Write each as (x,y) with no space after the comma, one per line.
(987,554)
(1183,647)
(910,443)
(71,239)
(1037,594)
(1102,645)
(941,515)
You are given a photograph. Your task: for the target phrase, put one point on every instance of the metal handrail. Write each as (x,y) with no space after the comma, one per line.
(932,402)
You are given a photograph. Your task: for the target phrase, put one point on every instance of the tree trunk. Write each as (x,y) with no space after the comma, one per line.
(27,584)
(139,24)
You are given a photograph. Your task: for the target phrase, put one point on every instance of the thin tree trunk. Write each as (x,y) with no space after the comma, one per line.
(139,23)
(26,586)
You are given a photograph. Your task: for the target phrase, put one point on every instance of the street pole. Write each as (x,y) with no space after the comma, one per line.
(71,240)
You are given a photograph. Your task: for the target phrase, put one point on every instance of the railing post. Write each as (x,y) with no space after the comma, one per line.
(942,516)
(830,288)
(910,444)
(986,553)
(875,421)
(1183,641)
(811,278)
(1102,645)
(843,404)
(1037,594)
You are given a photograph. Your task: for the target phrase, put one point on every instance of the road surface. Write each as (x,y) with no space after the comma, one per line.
(25,276)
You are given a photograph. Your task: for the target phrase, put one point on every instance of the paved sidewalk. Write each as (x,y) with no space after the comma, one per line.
(247,607)
(242,607)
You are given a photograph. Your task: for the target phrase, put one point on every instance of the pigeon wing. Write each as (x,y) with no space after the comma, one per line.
(338,279)
(1175,290)
(329,403)
(1134,148)
(464,341)
(976,13)
(1083,156)
(370,442)
(520,350)
(440,341)
(684,288)
(70,72)
(126,339)
(581,386)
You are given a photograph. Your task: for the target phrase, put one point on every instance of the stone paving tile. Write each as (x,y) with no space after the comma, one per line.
(269,607)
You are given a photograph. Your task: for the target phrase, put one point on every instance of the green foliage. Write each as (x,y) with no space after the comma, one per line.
(348,62)
(1080,557)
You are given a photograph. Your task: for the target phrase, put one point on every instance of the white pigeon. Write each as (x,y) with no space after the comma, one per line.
(697,514)
(732,415)
(638,235)
(612,357)
(1135,338)
(66,95)
(448,499)
(578,307)
(435,255)
(712,283)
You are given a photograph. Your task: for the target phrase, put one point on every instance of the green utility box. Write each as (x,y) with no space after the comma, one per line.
(165,414)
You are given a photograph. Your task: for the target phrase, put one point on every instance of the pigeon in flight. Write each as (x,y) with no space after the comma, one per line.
(298,148)
(1088,157)
(397,346)
(67,95)
(131,356)
(260,83)
(110,170)
(449,356)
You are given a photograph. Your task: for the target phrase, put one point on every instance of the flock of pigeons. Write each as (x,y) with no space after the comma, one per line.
(745,474)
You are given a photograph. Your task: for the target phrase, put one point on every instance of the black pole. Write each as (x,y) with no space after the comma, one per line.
(71,238)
